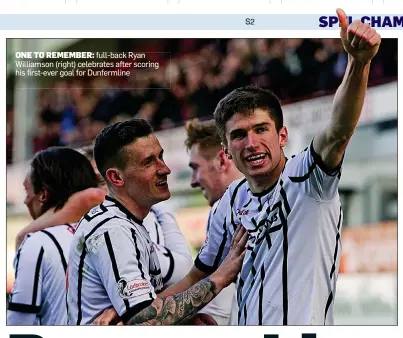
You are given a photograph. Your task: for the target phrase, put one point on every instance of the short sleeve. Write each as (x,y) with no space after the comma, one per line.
(308,171)
(121,261)
(26,296)
(218,238)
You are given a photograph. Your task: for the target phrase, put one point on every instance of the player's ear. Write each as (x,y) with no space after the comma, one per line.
(115,177)
(43,195)
(223,161)
(225,150)
(283,136)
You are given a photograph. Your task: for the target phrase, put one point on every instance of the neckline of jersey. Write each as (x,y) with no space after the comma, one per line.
(124,209)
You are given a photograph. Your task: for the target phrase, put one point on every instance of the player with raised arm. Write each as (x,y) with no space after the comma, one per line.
(121,267)
(296,221)
(290,207)
(38,296)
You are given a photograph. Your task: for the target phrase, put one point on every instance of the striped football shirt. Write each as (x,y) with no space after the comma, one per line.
(39,296)
(113,263)
(293,253)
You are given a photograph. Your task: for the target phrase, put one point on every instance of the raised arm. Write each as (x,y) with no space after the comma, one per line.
(76,206)
(361,42)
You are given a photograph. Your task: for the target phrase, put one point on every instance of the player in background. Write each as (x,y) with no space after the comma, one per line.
(291,208)
(38,296)
(212,172)
(121,267)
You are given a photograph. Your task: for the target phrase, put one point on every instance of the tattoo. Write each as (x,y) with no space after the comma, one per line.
(176,309)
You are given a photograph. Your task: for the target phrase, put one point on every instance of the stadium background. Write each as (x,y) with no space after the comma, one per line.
(192,76)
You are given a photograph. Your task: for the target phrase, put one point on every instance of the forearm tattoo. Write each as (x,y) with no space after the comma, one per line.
(176,309)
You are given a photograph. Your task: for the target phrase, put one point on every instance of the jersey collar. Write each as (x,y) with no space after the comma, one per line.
(123,209)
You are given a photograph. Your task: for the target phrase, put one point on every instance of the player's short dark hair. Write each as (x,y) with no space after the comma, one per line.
(110,143)
(203,133)
(245,101)
(61,171)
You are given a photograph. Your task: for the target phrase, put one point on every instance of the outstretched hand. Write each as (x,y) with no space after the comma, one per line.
(359,39)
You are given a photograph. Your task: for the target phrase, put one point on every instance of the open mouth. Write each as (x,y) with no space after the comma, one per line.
(256,160)
(162,183)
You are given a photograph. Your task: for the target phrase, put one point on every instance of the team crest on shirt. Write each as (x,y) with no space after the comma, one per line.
(133,288)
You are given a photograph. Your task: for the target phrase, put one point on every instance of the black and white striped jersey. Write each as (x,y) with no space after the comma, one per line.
(171,247)
(293,253)
(39,292)
(112,262)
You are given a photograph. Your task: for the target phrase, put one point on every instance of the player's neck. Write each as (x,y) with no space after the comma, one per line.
(134,208)
(264,182)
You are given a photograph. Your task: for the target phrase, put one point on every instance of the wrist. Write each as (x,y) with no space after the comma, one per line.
(357,63)
(218,280)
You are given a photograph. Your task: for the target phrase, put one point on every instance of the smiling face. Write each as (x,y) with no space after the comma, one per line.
(205,173)
(255,145)
(145,173)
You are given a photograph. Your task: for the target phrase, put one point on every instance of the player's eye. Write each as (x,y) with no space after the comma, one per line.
(237,135)
(261,130)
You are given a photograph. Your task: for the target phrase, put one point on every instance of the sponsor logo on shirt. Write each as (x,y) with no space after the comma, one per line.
(240,212)
(133,288)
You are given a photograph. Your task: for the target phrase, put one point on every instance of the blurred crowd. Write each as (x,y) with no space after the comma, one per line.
(189,82)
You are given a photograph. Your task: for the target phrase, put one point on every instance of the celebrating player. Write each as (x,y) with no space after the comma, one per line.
(113,262)
(38,296)
(290,207)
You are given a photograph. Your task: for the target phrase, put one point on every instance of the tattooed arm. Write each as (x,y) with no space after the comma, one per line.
(179,308)
(182,306)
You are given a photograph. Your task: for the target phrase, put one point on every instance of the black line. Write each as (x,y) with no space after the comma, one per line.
(299,179)
(137,253)
(285,267)
(59,248)
(260,313)
(268,239)
(104,209)
(171,266)
(233,201)
(260,207)
(245,205)
(16,269)
(235,192)
(36,277)
(285,200)
(222,245)
(240,286)
(156,230)
(218,204)
(332,270)
(114,264)
(24,308)
(95,228)
(79,283)
(81,267)
(275,228)
(329,301)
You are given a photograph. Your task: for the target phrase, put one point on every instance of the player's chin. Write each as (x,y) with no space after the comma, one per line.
(162,193)
(257,170)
